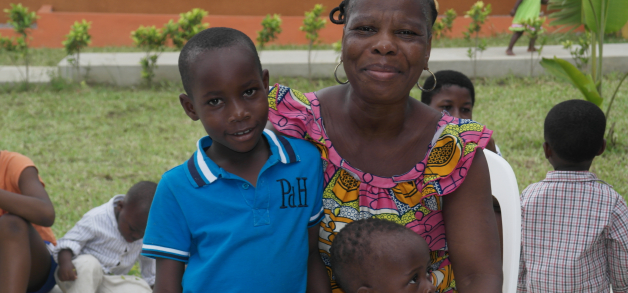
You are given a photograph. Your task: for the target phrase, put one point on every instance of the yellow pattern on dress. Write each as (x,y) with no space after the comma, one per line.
(300,97)
(469,148)
(444,157)
(272,98)
(407,193)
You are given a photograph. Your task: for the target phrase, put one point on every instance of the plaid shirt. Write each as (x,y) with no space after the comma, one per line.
(574,235)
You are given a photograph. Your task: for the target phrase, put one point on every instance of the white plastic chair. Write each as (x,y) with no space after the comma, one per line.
(505,189)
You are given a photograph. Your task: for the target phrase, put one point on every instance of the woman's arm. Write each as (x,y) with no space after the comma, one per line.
(33,204)
(471,232)
(169,276)
(317,278)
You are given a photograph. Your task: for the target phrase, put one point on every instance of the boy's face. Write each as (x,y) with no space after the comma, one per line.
(456,100)
(230,97)
(131,221)
(403,267)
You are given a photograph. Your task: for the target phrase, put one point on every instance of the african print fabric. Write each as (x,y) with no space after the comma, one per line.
(412,199)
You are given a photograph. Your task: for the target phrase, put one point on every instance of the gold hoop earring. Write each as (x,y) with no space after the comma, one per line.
(336,76)
(424,90)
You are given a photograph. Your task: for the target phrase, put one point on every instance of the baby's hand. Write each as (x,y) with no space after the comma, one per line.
(67,272)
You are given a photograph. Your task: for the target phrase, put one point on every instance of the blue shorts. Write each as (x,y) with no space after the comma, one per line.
(50,281)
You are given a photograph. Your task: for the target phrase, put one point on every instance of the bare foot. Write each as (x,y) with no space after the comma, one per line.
(533,49)
(510,53)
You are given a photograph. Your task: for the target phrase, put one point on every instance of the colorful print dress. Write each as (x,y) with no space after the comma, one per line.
(413,199)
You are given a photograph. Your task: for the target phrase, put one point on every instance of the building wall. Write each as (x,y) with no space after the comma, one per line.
(220,7)
(114,29)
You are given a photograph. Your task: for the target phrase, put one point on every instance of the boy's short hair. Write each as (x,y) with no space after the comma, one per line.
(574,130)
(140,196)
(354,245)
(207,40)
(445,78)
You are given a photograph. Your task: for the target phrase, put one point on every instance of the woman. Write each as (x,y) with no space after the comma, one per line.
(390,156)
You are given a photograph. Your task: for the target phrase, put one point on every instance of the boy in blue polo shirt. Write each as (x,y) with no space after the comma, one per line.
(243,211)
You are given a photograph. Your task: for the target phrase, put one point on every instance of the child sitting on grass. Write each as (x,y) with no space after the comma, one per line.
(26,240)
(97,253)
(243,211)
(376,255)
(574,225)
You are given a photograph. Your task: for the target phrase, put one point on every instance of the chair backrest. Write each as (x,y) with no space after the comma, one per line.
(505,189)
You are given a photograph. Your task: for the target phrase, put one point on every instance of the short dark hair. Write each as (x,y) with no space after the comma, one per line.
(574,130)
(345,6)
(445,78)
(207,40)
(354,244)
(140,196)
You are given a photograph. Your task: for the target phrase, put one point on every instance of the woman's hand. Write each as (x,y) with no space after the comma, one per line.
(471,231)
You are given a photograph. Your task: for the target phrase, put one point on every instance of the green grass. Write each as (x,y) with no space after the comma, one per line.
(52,56)
(92,143)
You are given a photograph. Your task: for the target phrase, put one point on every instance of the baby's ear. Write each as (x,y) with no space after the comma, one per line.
(120,205)
(188,106)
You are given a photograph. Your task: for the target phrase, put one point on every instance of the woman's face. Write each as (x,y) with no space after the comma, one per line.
(385,47)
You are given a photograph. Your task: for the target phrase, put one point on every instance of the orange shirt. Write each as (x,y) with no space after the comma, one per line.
(11,167)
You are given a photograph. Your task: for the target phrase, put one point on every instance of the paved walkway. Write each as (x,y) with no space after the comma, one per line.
(36,74)
(124,68)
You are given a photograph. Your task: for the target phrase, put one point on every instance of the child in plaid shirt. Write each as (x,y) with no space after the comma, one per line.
(574,225)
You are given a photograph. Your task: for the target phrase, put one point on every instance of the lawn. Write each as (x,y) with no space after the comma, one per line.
(52,56)
(91,143)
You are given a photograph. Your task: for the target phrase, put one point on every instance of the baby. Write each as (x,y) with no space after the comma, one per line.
(376,255)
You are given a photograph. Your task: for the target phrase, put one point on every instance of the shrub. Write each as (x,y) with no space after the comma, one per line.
(152,41)
(271,28)
(75,41)
(188,25)
(21,20)
(445,24)
(478,14)
(312,23)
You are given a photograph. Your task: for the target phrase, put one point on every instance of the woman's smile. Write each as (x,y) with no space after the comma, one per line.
(382,72)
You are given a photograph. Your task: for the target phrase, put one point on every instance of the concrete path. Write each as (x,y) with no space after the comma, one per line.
(124,68)
(15,74)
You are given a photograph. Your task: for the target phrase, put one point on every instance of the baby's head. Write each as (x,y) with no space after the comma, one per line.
(574,135)
(376,255)
(454,92)
(132,212)
(225,87)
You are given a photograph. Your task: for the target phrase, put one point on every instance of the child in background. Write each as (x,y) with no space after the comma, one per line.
(455,94)
(97,253)
(26,240)
(243,211)
(574,225)
(376,255)
(523,11)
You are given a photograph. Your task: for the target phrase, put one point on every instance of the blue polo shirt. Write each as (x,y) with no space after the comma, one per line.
(233,236)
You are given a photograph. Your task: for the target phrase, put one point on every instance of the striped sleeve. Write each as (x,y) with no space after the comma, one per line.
(167,233)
